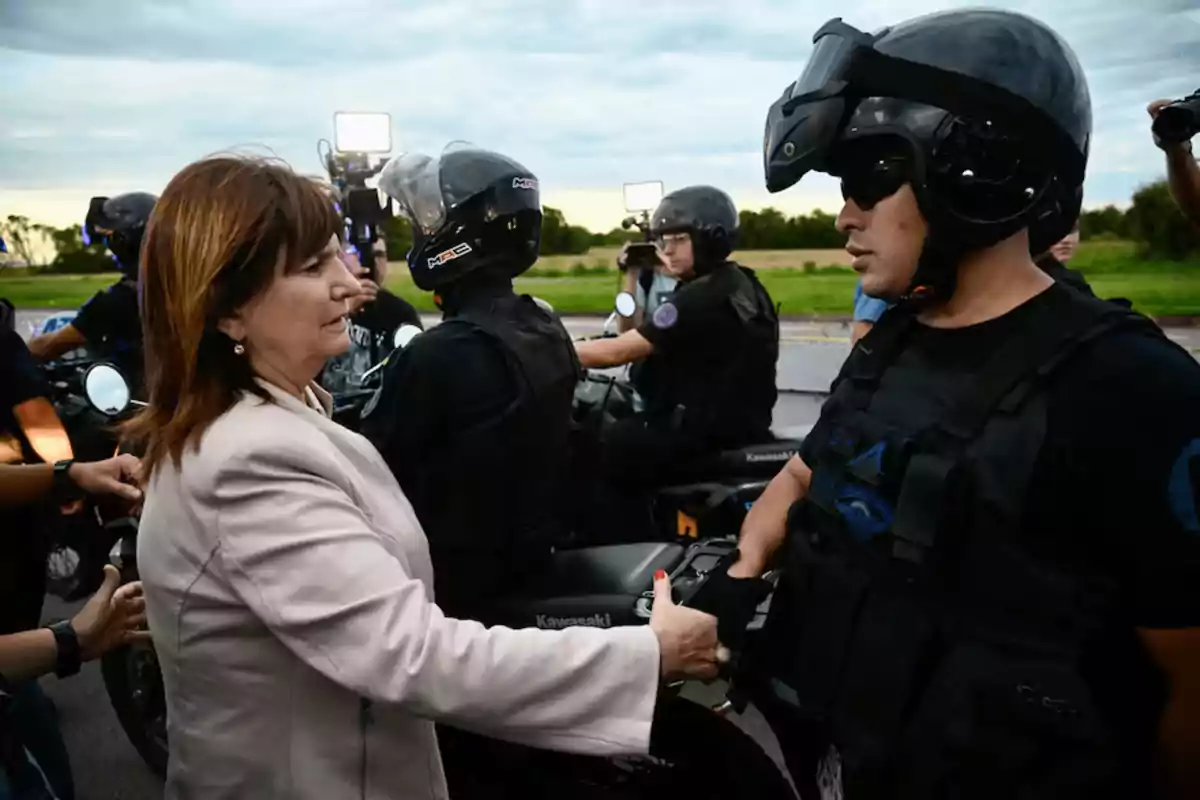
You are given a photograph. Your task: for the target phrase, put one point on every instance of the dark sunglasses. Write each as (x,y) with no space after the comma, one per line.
(869,179)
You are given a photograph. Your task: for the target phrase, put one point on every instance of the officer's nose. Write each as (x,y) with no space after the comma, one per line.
(850,218)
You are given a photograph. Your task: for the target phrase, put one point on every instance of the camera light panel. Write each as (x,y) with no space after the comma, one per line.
(643,196)
(362,132)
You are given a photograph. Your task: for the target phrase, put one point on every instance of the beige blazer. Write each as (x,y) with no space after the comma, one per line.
(289,593)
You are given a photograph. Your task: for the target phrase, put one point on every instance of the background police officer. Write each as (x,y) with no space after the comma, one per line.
(709,352)
(987,589)
(474,415)
(109,323)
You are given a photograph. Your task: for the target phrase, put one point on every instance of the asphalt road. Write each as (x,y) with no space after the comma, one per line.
(106,766)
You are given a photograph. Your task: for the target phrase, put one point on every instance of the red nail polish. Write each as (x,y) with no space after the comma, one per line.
(659,575)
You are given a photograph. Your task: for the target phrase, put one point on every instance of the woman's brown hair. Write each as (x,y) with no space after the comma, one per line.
(213,243)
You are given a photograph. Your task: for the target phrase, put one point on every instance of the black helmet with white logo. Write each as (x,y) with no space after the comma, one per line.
(989,110)
(470,210)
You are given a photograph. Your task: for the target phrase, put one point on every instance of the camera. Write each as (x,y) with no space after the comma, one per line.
(357,135)
(641,255)
(1180,121)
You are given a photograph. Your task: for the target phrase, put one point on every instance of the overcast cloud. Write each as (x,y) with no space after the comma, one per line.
(102,97)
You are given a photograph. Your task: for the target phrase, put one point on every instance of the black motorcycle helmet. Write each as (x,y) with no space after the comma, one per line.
(120,221)
(470,210)
(705,212)
(989,108)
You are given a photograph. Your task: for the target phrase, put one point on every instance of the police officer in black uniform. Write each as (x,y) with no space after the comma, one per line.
(708,353)
(474,415)
(990,542)
(109,323)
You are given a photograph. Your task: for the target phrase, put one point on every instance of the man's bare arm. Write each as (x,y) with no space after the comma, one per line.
(858,329)
(28,654)
(50,346)
(626,348)
(765,526)
(1183,177)
(21,484)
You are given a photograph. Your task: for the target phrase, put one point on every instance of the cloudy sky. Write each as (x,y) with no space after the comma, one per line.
(104,96)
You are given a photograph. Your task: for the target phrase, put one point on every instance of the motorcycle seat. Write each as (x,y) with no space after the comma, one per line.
(595,586)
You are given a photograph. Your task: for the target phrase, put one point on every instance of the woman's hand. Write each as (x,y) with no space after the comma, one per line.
(687,638)
(112,617)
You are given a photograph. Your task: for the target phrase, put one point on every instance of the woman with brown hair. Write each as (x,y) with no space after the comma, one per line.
(287,581)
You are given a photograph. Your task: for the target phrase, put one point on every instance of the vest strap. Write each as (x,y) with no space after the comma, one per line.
(1026,360)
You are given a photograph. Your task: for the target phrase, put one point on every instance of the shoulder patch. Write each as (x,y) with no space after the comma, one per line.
(665,316)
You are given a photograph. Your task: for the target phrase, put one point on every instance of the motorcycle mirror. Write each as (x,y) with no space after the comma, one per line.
(404,335)
(106,389)
(626,305)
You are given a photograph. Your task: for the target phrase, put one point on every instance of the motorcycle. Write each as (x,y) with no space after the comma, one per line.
(130,673)
(696,751)
(704,497)
(79,540)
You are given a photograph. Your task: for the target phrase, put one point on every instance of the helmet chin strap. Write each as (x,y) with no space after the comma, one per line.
(936,277)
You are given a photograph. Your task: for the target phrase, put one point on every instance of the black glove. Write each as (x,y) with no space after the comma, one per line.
(732,601)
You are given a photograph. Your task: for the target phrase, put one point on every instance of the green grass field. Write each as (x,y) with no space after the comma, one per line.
(804,282)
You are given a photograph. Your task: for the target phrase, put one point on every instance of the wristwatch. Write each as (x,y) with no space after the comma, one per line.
(69,656)
(64,489)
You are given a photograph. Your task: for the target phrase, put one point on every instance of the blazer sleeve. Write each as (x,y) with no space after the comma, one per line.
(304,558)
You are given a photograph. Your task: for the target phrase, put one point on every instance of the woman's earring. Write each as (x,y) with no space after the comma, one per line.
(239,349)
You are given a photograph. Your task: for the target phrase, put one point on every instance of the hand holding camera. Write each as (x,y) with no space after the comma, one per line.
(1175,121)
(640,255)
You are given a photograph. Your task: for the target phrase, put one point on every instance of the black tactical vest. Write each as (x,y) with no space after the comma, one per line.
(493,489)
(730,405)
(913,628)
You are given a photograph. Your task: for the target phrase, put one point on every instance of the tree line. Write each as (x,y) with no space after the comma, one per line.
(1152,220)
